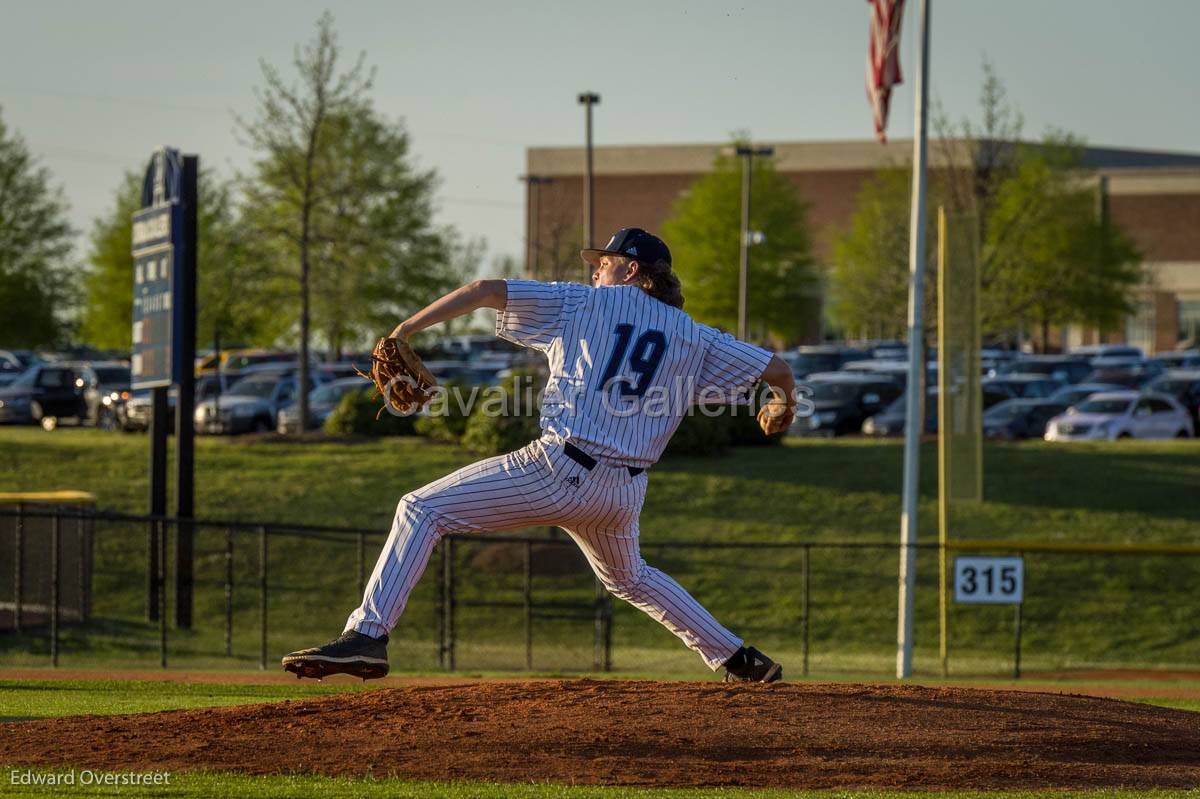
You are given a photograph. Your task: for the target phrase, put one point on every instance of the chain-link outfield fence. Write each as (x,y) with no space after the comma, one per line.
(529,602)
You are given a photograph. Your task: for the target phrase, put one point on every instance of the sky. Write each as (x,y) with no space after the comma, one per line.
(93,88)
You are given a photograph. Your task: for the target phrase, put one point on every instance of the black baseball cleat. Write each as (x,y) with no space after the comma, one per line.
(350,653)
(750,665)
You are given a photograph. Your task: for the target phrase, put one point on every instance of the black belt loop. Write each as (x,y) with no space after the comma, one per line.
(588,462)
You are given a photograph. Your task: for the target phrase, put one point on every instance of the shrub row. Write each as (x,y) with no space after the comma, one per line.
(489,433)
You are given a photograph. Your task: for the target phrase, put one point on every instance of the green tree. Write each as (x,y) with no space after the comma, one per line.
(234,292)
(36,279)
(868,279)
(704,234)
(337,204)
(1045,255)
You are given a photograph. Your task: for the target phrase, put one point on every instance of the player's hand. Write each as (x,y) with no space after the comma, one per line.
(776,414)
(401,331)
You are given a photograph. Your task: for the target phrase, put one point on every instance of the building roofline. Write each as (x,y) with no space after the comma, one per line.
(824,156)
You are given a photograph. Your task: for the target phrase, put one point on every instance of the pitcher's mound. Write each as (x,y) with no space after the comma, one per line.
(652,733)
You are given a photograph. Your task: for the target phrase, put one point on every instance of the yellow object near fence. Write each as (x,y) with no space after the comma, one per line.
(959,401)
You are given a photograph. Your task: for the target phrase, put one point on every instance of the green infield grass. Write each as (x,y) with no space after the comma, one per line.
(1081,611)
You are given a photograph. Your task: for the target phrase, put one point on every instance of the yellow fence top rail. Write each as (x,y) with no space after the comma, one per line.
(48,497)
(1093,549)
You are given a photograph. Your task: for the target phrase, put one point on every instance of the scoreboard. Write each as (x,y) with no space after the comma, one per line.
(157,253)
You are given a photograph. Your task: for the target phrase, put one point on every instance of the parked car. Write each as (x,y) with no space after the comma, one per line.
(235,360)
(1122,414)
(1070,395)
(133,415)
(1108,351)
(252,404)
(890,351)
(842,401)
(1128,372)
(328,372)
(43,394)
(1020,418)
(1183,359)
(890,421)
(1064,368)
(101,381)
(10,368)
(1184,386)
(322,401)
(1023,386)
(819,358)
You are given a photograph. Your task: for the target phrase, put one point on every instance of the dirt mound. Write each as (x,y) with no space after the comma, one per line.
(653,733)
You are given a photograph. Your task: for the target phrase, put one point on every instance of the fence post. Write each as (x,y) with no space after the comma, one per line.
(439,605)
(1017,645)
(19,556)
(54,577)
(598,627)
(528,597)
(79,534)
(229,592)
(804,606)
(160,579)
(152,571)
(450,603)
(608,614)
(262,597)
(362,562)
(91,559)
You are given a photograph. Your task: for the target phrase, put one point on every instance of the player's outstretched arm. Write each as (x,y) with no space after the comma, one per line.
(461,301)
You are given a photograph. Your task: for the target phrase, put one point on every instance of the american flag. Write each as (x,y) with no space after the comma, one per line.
(883,59)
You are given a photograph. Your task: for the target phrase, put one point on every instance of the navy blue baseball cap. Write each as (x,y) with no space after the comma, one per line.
(631,242)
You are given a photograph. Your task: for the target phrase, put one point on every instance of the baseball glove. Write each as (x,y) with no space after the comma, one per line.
(399,377)
(776,414)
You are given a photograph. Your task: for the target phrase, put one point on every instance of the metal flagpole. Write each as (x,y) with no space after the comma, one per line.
(914,423)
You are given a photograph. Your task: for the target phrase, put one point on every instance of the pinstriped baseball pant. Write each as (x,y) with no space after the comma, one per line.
(539,485)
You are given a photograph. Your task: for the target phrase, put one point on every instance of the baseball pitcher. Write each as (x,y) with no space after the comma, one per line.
(626,363)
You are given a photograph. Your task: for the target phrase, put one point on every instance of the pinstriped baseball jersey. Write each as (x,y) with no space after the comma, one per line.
(624,367)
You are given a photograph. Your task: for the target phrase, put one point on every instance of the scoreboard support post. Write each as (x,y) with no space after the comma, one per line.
(164,354)
(185,431)
(158,498)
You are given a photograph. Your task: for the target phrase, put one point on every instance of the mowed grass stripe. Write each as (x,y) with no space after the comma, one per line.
(237,786)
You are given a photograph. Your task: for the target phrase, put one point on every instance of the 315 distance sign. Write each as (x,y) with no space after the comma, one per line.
(989,581)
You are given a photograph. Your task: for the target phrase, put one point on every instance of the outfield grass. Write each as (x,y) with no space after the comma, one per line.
(1080,611)
(36,699)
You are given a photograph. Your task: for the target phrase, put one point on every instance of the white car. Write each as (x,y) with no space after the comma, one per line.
(1111,415)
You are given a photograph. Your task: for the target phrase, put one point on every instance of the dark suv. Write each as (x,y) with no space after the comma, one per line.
(44,393)
(1183,385)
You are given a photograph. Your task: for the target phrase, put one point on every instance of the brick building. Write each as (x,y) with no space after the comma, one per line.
(1154,196)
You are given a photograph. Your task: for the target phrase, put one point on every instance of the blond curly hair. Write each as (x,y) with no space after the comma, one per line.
(660,282)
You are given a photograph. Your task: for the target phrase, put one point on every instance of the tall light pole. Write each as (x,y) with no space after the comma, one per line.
(747,154)
(587,100)
(533,228)
(914,419)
